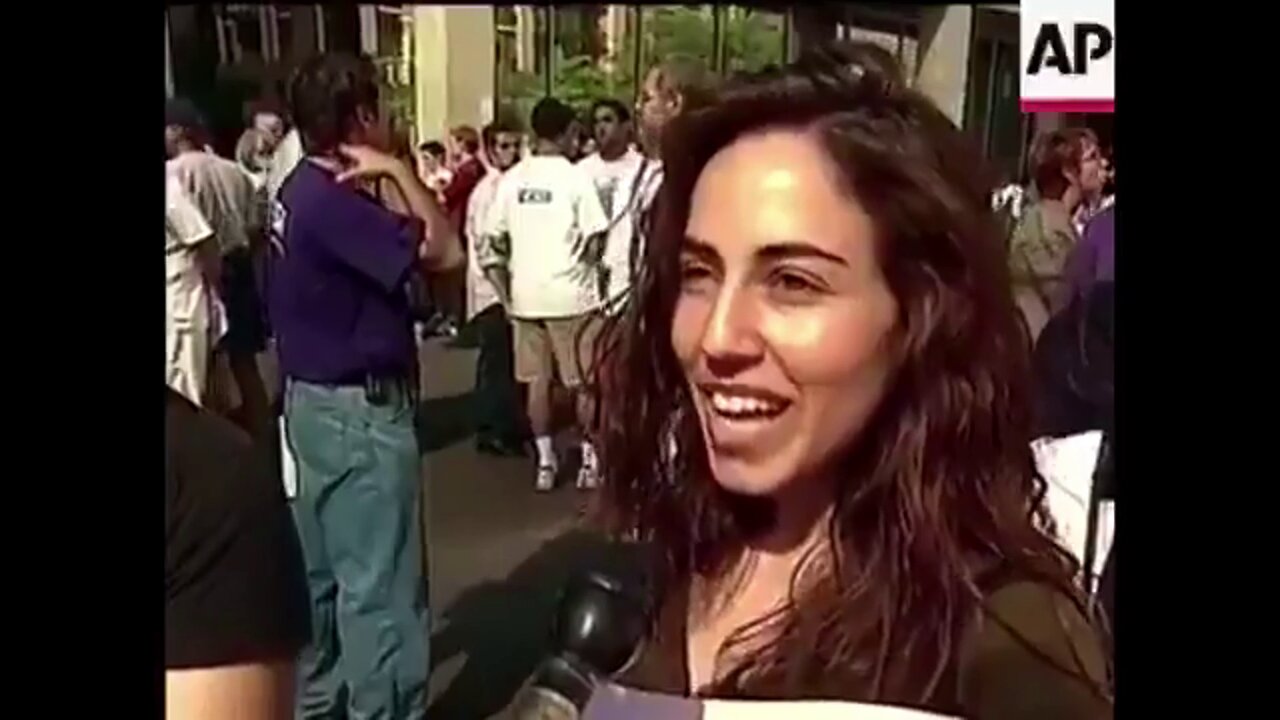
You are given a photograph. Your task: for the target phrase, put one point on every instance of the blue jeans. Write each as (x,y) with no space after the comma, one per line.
(359,516)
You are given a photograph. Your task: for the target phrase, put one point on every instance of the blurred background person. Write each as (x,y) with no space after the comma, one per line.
(194,318)
(236,611)
(669,88)
(464,162)
(1062,163)
(1094,258)
(1074,366)
(831,523)
(1094,175)
(284,159)
(340,307)
(259,141)
(228,200)
(499,415)
(448,290)
(434,169)
(618,170)
(542,246)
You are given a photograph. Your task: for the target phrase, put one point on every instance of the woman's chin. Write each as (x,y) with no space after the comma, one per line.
(753,479)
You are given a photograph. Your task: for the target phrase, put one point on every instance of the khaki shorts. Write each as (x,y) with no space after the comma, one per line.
(555,345)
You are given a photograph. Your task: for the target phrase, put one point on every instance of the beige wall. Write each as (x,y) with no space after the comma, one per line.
(454,48)
(943,63)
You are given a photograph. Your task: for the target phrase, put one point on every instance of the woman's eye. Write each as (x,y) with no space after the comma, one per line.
(694,276)
(791,286)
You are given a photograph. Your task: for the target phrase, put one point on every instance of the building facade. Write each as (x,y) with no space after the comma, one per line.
(450,65)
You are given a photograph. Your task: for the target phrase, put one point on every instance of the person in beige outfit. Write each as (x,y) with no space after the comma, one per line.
(1064,164)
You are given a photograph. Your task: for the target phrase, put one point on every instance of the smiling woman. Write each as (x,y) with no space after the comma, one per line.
(826,428)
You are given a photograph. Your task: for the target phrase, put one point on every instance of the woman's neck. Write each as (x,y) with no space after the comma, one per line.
(801,525)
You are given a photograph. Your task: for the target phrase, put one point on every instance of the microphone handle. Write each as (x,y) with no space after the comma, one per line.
(537,703)
(560,690)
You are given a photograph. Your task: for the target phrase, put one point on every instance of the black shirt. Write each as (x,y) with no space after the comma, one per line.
(235,588)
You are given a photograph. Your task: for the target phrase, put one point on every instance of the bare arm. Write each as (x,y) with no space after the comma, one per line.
(441,249)
(246,692)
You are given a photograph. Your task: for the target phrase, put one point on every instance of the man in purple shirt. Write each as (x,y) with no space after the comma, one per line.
(1094,258)
(339,303)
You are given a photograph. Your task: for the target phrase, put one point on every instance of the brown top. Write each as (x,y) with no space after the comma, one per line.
(996,676)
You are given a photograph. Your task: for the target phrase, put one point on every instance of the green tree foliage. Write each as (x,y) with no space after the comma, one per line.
(753,39)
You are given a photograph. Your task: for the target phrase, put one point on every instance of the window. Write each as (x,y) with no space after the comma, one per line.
(1005,140)
(285,29)
(594,54)
(520,63)
(992,114)
(896,35)
(753,39)
(393,30)
(685,31)
(341,28)
(240,34)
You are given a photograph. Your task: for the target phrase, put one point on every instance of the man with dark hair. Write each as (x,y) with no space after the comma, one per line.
(618,171)
(434,159)
(542,246)
(1044,237)
(499,428)
(227,198)
(340,307)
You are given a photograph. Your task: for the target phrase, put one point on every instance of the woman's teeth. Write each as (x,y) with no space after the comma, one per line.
(744,407)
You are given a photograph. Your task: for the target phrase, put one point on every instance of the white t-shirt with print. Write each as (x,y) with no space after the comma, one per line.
(545,205)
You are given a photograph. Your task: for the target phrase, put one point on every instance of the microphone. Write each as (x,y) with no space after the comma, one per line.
(597,631)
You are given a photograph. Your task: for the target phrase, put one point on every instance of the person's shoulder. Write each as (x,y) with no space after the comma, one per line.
(1033,653)
(194,435)
(309,187)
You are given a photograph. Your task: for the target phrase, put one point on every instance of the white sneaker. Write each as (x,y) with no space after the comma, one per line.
(588,478)
(546,481)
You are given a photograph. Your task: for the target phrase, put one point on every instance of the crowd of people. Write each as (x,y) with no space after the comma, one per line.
(798,346)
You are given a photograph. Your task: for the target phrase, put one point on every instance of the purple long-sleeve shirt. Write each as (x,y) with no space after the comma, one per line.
(338,293)
(1094,257)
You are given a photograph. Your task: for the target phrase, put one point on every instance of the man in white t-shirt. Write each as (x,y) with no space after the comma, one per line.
(544,238)
(499,424)
(227,198)
(619,172)
(192,315)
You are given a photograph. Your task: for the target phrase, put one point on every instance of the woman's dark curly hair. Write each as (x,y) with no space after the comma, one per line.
(940,492)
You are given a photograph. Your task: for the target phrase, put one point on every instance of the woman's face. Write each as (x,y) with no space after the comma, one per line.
(784,319)
(1093,169)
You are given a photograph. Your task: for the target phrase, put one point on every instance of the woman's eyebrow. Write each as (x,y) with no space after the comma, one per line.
(786,250)
(769,253)
(703,250)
